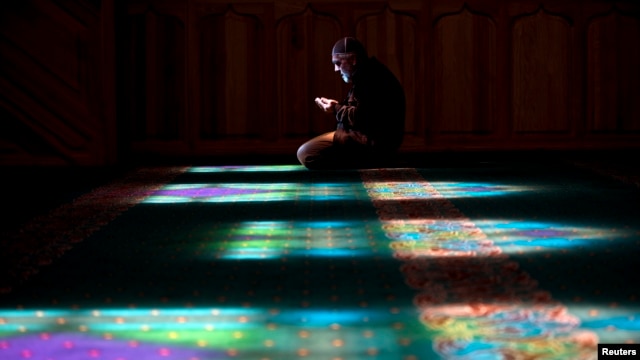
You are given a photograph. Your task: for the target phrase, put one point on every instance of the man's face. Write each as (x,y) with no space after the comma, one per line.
(345,64)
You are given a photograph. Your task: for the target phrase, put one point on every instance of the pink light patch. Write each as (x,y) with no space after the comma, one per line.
(74,346)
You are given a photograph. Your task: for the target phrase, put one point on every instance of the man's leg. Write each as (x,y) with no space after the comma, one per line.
(322,153)
(319,152)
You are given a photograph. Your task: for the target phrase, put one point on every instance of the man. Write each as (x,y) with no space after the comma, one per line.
(370,121)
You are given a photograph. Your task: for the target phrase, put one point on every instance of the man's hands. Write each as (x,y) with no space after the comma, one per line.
(327,105)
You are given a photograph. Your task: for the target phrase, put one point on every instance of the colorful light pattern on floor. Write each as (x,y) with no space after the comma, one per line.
(274,240)
(409,190)
(517,237)
(480,304)
(201,334)
(472,300)
(246,168)
(430,237)
(343,324)
(234,192)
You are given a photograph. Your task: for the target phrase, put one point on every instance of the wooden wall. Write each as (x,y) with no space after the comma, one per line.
(56,81)
(86,82)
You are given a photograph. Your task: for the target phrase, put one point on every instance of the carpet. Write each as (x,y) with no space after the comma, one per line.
(496,261)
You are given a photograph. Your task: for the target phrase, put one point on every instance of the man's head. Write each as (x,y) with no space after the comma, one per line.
(346,54)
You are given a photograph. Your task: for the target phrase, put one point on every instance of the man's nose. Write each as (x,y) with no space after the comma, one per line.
(336,68)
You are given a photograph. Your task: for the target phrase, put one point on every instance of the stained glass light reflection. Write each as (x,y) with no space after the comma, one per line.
(244,192)
(451,237)
(197,333)
(246,168)
(423,190)
(534,236)
(276,239)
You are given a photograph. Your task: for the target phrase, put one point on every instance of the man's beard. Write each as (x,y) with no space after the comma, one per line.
(345,77)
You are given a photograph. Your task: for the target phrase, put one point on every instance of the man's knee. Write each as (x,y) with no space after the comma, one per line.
(302,155)
(316,152)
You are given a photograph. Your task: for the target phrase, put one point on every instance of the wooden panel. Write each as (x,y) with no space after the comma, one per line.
(43,33)
(613,99)
(49,88)
(212,77)
(391,36)
(465,72)
(305,71)
(541,46)
(155,73)
(229,54)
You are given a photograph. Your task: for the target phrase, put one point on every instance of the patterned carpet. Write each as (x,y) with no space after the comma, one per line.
(493,261)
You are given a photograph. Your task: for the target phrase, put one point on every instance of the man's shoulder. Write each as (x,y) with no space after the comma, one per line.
(374,62)
(375,67)
(381,71)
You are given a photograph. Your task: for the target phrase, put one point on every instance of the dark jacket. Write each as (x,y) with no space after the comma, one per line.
(373,113)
